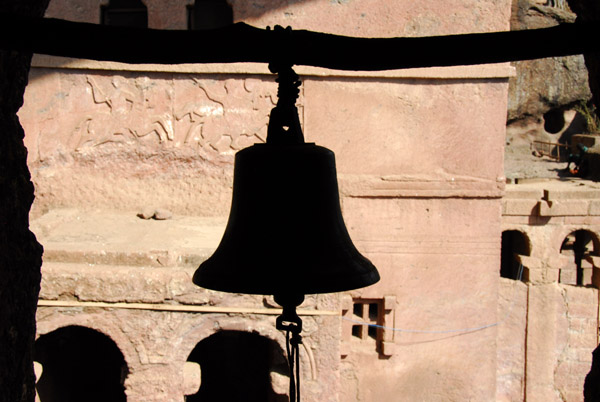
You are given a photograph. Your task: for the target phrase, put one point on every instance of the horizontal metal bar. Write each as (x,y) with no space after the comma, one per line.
(181,308)
(243,43)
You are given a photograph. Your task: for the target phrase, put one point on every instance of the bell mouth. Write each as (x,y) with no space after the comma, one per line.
(285,232)
(228,279)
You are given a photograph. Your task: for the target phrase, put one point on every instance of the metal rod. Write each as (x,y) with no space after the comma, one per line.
(181,308)
(243,43)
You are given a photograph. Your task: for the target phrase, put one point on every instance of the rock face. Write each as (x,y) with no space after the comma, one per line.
(544,84)
(20,253)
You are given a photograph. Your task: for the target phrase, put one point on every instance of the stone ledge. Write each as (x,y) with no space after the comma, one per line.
(121,238)
(442,185)
(564,208)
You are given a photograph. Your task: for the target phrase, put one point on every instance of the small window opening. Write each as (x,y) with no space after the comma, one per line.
(130,13)
(514,243)
(79,364)
(239,366)
(209,14)
(577,246)
(373,312)
(373,332)
(367,311)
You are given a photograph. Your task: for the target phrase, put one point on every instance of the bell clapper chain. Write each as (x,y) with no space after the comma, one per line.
(290,322)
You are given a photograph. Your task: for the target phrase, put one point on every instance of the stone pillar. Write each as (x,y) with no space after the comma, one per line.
(541,342)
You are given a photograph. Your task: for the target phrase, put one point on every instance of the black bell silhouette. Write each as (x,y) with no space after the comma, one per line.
(285,235)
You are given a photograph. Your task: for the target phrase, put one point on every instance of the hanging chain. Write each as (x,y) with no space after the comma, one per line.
(290,322)
(284,124)
(292,345)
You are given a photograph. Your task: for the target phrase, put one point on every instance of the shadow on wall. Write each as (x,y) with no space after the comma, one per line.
(591,388)
(239,366)
(578,247)
(79,364)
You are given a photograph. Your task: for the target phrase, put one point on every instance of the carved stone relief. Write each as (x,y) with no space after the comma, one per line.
(216,115)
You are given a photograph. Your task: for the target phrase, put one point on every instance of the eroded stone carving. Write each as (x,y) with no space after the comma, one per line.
(215,115)
(124,115)
(226,115)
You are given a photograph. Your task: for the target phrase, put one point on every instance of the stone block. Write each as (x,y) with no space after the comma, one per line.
(559,262)
(388,348)
(389,302)
(529,261)
(568,276)
(583,340)
(580,355)
(541,275)
(563,208)
(519,207)
(594,207)
(581,295)
(582,310)
(516,191)
(191,378)
(562,194)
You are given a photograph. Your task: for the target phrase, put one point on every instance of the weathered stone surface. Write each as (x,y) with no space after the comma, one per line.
(122,133)
(544,84)
(162,214)
(146,213)
(511,355)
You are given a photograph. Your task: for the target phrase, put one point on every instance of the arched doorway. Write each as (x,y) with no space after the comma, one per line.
(577,246)
(79,364)
(514,243)
(238,366)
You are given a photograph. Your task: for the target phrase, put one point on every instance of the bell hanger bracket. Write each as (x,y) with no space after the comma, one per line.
(284,125)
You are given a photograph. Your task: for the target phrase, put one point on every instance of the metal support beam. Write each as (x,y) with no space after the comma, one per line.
(243,43)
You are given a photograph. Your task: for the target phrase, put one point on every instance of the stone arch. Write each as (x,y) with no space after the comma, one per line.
(576,246)
(79,364)
(514,243)
(263,326)
(239,366)
(102,323)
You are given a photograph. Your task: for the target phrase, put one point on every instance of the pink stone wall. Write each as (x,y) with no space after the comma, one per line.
(547,359)
(371,18)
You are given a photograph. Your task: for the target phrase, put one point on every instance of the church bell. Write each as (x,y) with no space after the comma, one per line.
(285,235)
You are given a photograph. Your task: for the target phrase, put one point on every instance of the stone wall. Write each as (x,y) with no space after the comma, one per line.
(546,348)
